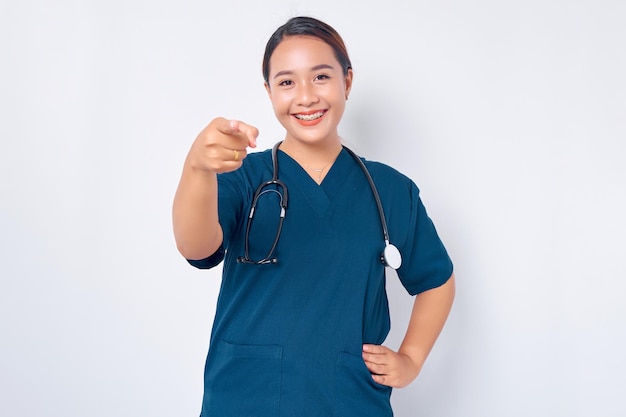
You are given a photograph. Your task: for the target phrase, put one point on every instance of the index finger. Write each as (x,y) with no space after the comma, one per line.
(251,132)
(236,127)
(375,349)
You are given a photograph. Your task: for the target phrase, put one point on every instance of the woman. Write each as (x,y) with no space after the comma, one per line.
(302,311)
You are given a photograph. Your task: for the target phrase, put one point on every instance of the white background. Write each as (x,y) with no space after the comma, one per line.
(509,115)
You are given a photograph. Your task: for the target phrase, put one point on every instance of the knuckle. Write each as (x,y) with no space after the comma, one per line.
(377,368)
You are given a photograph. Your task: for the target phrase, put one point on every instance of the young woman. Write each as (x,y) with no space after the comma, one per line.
(302,311)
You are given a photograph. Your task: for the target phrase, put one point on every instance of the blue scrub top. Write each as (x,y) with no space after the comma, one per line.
(287,337)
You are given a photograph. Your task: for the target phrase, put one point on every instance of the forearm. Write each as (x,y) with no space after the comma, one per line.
(430,312)
(195,216)
(398,369)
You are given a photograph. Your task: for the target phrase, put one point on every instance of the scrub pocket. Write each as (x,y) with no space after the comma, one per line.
(356,393)
(244,380)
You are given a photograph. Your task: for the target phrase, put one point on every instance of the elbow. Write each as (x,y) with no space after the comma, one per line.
(195,249)
(196,252)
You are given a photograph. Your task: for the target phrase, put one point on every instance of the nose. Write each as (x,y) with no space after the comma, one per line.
(306,95)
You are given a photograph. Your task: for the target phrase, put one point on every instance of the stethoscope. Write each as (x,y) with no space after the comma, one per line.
(390,256)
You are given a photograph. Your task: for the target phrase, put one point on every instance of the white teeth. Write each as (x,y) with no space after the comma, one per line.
(309,117)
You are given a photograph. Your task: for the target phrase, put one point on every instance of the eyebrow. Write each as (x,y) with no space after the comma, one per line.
(315,68)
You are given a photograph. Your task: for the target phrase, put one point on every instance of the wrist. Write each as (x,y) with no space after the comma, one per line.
(197,169)
(414,356)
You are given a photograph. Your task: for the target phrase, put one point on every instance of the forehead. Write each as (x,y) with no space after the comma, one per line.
(301,52)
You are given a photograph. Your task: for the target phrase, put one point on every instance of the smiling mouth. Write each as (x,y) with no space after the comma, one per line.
(309,117)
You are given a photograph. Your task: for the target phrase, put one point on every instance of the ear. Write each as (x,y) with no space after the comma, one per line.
(348,82)
(267,88)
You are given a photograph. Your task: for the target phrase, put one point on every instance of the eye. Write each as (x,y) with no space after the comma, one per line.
(285,83)
(321,77)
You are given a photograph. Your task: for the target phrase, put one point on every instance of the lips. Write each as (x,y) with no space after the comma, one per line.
(307,117)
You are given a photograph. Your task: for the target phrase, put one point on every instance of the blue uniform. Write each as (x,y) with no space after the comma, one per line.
(287,337)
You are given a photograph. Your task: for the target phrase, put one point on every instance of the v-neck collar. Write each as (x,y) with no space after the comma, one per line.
(319,196)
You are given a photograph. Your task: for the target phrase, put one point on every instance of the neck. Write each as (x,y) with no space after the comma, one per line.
(315,159)
(312,156)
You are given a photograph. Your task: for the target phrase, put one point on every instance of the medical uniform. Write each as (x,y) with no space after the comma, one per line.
(287,337)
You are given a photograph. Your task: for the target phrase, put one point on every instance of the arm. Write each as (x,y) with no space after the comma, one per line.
(196,226)
(399,369)
(194,213)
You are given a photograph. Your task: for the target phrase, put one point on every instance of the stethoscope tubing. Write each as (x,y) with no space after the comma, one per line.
(391,255)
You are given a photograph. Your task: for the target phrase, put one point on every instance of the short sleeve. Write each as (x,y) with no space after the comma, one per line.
(209,262)
(425,261)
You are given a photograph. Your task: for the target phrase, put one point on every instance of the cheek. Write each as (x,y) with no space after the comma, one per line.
(280,103)
(281,111)
(339,92)
(339,98)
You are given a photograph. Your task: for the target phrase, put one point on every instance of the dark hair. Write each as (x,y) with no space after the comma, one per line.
(307,26)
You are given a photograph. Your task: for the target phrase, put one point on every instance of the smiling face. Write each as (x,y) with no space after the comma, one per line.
(308,89)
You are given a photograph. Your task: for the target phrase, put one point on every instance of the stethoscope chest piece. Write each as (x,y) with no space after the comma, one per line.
(391,256)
